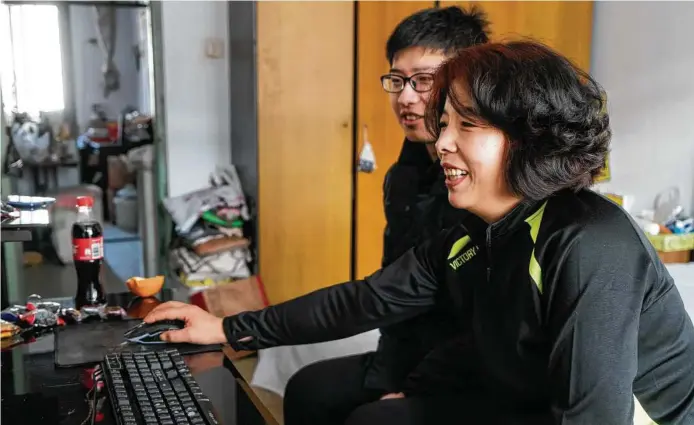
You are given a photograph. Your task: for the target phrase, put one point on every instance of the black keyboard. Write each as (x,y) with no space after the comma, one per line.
(148,388)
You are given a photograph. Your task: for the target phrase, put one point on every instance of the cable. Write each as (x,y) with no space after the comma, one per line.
(91,416)
(86,398)
(92,408)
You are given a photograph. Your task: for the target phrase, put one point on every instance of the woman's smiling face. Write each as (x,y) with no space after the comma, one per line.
(473,157)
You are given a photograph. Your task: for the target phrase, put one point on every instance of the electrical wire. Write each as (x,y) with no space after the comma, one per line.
(93,391)
(92,408)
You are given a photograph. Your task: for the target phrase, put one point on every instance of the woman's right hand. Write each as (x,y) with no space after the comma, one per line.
(201,327)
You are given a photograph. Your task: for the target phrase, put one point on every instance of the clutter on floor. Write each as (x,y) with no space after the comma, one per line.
(211,245)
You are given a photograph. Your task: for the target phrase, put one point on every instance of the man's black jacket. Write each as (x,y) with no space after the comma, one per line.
(416,206)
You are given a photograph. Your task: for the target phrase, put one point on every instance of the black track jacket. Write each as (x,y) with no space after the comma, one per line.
(564,309)
(415,201)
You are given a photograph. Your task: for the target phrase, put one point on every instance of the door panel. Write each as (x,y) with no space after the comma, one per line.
(376,20)
(566,26)
(563,25)
(305,115)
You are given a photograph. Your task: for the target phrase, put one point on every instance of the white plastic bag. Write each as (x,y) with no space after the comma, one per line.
(367,158)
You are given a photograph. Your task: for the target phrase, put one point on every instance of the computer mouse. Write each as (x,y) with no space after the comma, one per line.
(148,333)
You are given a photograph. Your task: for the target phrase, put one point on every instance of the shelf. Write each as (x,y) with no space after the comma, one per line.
(20,235)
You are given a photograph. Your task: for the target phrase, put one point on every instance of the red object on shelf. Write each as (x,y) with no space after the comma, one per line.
(84,201)
(110,137)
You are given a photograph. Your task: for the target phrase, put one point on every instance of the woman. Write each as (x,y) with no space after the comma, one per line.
(563,308)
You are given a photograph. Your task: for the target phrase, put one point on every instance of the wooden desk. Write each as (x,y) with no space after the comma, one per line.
(268,404)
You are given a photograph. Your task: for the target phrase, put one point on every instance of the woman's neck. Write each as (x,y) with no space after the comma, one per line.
(494,211)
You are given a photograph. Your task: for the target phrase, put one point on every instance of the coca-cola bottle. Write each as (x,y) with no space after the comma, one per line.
(88,253)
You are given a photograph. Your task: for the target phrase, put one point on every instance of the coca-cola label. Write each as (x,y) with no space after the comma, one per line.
(88,249)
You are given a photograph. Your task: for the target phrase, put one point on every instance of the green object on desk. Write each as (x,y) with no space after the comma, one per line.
(672,242)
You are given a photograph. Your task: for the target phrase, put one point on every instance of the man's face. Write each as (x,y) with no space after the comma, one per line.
(409,104)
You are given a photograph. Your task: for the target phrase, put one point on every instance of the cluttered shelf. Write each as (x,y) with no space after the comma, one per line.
(667,226)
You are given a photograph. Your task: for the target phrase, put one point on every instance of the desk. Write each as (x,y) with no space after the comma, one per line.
(19,229)
(47,170)
(29,370)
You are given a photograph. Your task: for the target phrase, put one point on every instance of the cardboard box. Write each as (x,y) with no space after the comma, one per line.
(232,298)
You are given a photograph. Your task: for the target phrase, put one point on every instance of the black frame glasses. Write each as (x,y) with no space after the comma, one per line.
(414,80)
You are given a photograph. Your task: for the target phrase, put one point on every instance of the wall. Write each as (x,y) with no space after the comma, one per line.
(196,93)
(88,60)
(642,55)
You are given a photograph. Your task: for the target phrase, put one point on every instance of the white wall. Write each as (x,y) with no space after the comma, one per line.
(196,93)
(88,60)
(643,56)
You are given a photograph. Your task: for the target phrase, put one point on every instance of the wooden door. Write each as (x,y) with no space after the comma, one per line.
(305,65)
(376,20)
(566,26)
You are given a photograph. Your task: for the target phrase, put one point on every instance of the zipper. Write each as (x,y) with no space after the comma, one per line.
(489,253)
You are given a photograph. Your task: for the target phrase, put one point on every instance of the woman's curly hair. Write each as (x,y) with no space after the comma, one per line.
(552,113)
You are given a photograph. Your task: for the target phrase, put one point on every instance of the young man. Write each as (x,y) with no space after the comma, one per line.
(415,196)
(416,208)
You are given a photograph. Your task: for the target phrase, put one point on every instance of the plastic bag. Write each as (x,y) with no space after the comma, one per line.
(367,158)
(186,210)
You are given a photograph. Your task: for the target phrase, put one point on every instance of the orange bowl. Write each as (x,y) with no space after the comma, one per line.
(145,287)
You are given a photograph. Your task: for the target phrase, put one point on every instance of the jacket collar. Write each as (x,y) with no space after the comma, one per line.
(511,221)
(416,154)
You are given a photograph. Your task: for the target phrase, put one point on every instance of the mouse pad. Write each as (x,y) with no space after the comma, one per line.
(88,343)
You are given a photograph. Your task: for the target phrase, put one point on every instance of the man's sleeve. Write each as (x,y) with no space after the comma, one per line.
(593,306)
(404,289)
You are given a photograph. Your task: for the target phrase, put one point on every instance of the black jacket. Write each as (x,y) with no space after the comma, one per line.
(568,309)
(416,207)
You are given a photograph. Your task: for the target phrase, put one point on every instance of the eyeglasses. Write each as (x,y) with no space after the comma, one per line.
(421,82)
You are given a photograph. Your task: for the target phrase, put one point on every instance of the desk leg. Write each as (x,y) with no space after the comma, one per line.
(11,273)
(4,301)
(54,174)
(246,412)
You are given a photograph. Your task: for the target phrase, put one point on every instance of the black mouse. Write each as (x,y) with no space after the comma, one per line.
(148,333)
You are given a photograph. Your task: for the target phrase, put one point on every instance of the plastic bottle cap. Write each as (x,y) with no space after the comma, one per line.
(85,201)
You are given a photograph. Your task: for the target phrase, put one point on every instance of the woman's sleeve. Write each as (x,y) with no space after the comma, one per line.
(402,290)
(593,307)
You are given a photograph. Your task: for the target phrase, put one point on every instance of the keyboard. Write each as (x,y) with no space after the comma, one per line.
(155,388)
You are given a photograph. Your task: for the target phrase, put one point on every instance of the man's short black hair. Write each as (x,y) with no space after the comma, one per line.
(552,113)
(446,29)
